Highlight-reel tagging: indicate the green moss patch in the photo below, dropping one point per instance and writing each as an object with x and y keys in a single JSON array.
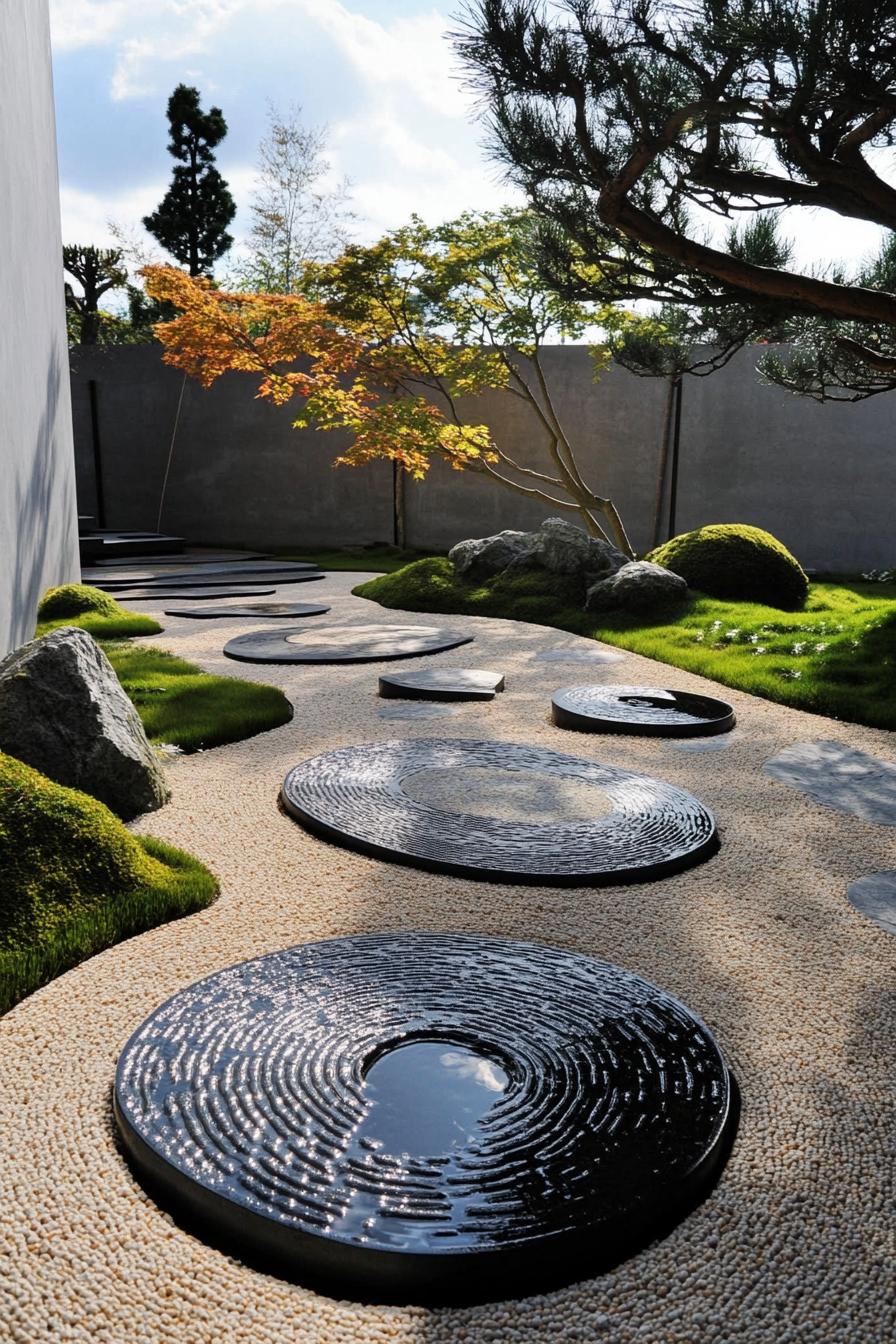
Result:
[
  {"x": 180, "y": 704},
  {"x": 738, "y": 563},
  {"x": 91, "y": 610},
  {"x": 75, "y": 880},
  {"x": 836, "y": 657}
]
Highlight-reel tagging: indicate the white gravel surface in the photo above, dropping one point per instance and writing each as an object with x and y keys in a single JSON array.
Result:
[{"x": 795, "y": 1245}]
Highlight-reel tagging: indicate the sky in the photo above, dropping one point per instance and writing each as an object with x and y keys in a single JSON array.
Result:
[{"x": 379, "y": 74}]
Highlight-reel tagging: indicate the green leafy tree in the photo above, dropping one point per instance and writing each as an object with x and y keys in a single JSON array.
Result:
[
  {"x": 96, "y": 270},
  {"x": 296, "y": 216},
  {"x": 191, "y": 221},
  {"x": 627, "y": 120}
]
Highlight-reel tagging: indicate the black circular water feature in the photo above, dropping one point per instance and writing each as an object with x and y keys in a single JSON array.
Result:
[
  {"x": 417, "y": 1117},
  {"x": 645, "y": 710}
]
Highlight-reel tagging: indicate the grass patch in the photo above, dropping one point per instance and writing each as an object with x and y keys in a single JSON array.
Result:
[
  {"x": 835, "y": 657},
  {"x": 384, "y": 559},
  {"x": 75, "y": 880},
  {"x": 180, "y": 704}
]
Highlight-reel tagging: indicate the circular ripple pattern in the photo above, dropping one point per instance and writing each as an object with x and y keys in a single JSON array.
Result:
[
  {"x": 354, "y": 796},
  {"x": 252, "y": 611},
  {"x": 644, "y": 710},
  {"x": 342, "y": 644},
  {"x": 245, "y": 1100}
]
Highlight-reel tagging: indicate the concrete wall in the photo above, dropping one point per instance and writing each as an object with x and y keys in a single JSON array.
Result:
[
  {"x": 822, "y": 478},
  {"x": 38, "y": 517}
]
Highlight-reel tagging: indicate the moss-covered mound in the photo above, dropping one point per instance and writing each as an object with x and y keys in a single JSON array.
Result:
[
  {"x": 75, "y": 880},
  {"x": 737, "y": 563},
  {"x": 535, "y": 595},
  {"x": 91, "y": 610}
]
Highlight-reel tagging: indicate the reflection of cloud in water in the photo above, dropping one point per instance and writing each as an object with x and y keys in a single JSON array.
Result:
[{"x": 481, "y": 1071}]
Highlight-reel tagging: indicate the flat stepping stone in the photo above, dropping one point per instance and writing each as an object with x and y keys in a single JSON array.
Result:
[
  {"x": 578, "y": 656},
  {"x": 426, "y": 1117},
  {"x": 210, "y": 580},
  {"x": 186, "y": 558},
  {"x": 442, "y": 683},
  {"x": 839, "y": 777},
  {"x": 193, "y": 594},
  {"x": 251, "y": 611},
  {"x": 500, "y": 811},
  {"x": 644, "y": 710},
  {"x": 343, "y": 644},
  {"x": 875, "y": 896}
]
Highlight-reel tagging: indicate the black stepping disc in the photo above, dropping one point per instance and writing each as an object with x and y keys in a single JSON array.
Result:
[
  {"x": 420, "y": 1116},
  {"x": 185, "y": 558},
  {"x": 442, "y": 683},
  {"x": 193, "y": 594},
  {"x": 200, "y": 579},
  {"x": 358, "y": 797},
  {"x": 342, "y": 644},
  {"x": 645, "y": 710},
  {"x": 252, "y": 611}
]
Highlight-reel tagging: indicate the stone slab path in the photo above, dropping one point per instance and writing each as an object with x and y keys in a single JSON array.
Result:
[{"x": 795, "y": 1245}]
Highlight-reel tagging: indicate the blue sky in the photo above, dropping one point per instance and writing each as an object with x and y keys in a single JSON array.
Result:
[{"x": 378, "y": 73}]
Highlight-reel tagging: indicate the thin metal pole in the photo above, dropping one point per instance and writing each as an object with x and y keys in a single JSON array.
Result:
[
  {"x": 676, "y": 445},
  {"x": 170, "y": 454},
  {"x": 97, "y": 455}
]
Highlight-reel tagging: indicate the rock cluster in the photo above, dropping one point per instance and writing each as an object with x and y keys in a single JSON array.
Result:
[
  {"x": 63, "y": 712},
  {"x": 610, "y": 578}
]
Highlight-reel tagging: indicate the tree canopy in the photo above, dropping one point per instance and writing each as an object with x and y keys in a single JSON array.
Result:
[
  {"x": 97, "y": 270},
  {"x": 387, "y": 341},
  {"x": 192, "y": 218},
  {"x": 631, "y": 122}
]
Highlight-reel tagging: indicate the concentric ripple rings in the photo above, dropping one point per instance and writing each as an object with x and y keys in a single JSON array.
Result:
[
  {"x": 645, "y": 710},
  {"x": 359, "y": 797},
  {"x": 412, "y": 1116}
]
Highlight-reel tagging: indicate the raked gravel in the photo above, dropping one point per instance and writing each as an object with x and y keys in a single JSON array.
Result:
[{"x": 795, "y": 1245}]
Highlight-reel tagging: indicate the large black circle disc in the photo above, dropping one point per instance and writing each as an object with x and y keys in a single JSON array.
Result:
[
  {"x": 645, "y": 710},
  {"x": 412, "y": 801},
  {"x": 410, "y": 1116},
  {"x": 342, "y": 644}
]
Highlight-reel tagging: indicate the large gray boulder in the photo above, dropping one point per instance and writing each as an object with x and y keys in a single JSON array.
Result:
[
  {"x": 482, "y": 557},
  {"x": 637, "y": 586},
  {"x": 63, "y": 711},
  {"x": 558, "y": 546}
]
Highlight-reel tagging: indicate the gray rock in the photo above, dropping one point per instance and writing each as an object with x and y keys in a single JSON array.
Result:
[
  {"x": 63, "y": 711},
  {"x": 637, "y": 586},
  {"x": 564, "y": 548},
  {"x": 484, "y": 556}
]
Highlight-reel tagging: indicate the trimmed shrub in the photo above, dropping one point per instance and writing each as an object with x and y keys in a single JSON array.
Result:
[
  {"x": 736, "y": 562},
  {"x": 75, "y": 880}
]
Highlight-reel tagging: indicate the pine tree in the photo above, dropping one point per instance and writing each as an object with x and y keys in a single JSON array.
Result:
[
  {"x": 97, "y": 270},
  {"x": 191, "y": 221}
]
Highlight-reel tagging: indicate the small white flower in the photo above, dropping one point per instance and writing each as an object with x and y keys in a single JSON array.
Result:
[
  {"x": 820, "y": 648},
  {"x": 716, "y": 625},
  {"x": 759, "y": 649},
  {"x": 754, "y": 639},
  {"x": 731, "y": 634},
  {"x": 798, "y": 648}
]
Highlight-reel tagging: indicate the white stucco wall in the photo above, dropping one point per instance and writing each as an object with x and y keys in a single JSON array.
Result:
[{"x": 38, "y": 513}]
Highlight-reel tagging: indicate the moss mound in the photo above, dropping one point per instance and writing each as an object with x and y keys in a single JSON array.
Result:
[
  {"x": 523, "y": 595},
  {"x": 737, "y": 563},
  {"x": 75, "y": 880},
  {"x": 74, "y": 599},
  {"x": 91, "y": 610}
]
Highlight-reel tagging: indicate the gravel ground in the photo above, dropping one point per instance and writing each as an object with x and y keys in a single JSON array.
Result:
[{"x": 795, "y": 1245}]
